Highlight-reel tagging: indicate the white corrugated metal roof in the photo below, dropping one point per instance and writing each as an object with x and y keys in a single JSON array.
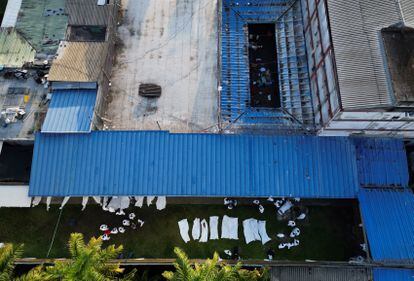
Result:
[
  {"x": 407, "y": 7},
  {"x": 11, "y": 13},
  {"x": 355, "y": 29}
]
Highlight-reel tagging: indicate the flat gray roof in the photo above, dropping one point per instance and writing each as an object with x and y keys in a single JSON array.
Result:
[{"x": 172, "y": 44}]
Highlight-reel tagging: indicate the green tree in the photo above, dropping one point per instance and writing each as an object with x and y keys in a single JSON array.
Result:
[
  {"x": 88, "y": 262},
  {"x": 8, "y": 255},
  {"x": 211, "y": 270}
]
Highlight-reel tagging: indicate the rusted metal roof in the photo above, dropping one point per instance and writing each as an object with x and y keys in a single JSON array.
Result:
[
  {"x": 88, "y": 12},
  {"x": 79, "y": 61}
]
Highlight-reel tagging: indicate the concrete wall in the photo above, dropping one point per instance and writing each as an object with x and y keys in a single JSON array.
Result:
[
  {"x": 102, "y": 99},
  {"x": 398, "y": 123}
]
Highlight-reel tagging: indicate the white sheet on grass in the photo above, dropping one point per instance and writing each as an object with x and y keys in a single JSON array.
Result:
[
  {"x": 84, "y": 202},
  {"x": 161, "y": 202},
  {"x": 214, "y": 228},
  {"x": 251, "y": 230},
  {"x": 139, "y": 201},
  {"x": 65, "y": 200},
  {"x": 149, "y": 200},
  {"x": 105, "y": 203},
  {"x": 183, "y": 225},
  {"x": 97, "y": 199},
  {"x": 125, "y": 201},
  {"x": 115, "y": 203},
  {"x": 196, "y": 232},
  {"x": 48, "y": 200},
  {"x": 230, "y": 228},
  {"x": 36, "y": 200},
  {"x": 263, "y": 233},
  {"x": 204, "y": 231}
]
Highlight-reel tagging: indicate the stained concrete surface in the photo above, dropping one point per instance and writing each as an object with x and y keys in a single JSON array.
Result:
[
  {"x": 35, "y": 110},
  {"x": 171, "y": 43}
]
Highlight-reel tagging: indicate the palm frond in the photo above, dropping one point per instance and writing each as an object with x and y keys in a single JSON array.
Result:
[
  {"x": 76, "y": 244},
  {"x": 8, "y": 255}
]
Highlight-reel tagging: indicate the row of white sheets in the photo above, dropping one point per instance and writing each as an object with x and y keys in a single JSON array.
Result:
[
  {"x": 202, "y": 230},
  {"x": 160, "y": 204},
  {"x": 255, "y": 230}
]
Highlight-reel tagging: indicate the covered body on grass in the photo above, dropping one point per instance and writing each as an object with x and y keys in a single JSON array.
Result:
[{"x": 327, "y": 234}]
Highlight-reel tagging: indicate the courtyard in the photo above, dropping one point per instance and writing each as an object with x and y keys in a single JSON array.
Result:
[{"x": 330, "y": 231}]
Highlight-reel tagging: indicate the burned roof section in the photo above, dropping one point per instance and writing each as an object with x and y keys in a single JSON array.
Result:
[
  {"x": 399, "y": 48},
  {"x": 88, "y": 12},
  {"x": 43, "y": 24}
]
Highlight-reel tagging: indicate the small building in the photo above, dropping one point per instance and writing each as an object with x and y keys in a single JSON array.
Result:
[{"x": 360, "y": 62}]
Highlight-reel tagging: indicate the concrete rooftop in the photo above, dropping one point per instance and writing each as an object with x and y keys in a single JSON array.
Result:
[
  {"x": 32, "y": 105},
  {"x": 172, "y": 43}
]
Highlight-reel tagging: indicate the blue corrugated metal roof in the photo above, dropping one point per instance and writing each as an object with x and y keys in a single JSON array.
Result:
[
  {"x": 159, "y": 163},
  {"x": 70, "y": 111},
  {"x": 389, "y": 224},
  {"x": 382, "y": 274},
  {"x": 382, "y": 162}
]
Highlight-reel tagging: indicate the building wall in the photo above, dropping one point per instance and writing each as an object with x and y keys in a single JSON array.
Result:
[
  {"x": 102, "y": 99},
  {"x": 351, "y": 84},
  {"x": 322, "y": 69},
  {"x": 398, "y": 123}
]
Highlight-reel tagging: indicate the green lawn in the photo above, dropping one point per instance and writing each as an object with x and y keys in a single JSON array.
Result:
[{"x": 329, "y": 234}]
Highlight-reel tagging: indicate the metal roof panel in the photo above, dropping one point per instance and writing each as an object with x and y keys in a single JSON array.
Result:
[
  {"x": 160, "y": 163},
  {"x": 79, "y": 61},
  {"x": 382, "y": 162},
  {"x": 70, "y": 111},
  {"x": 389, "y": 224},
  {"x": 383, "y": 274}
]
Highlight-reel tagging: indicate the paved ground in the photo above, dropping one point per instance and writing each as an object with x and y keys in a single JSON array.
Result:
[
  {"x": 21, "y": 128},
  {"x": 172, "y": 43}
]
